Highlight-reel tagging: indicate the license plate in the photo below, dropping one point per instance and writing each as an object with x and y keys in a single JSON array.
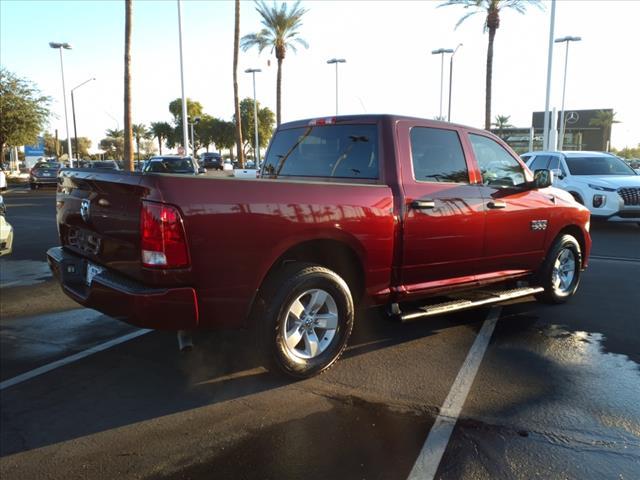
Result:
[
  {"x": 46, "y": 174},
  {"x": 92, "y": 271}
]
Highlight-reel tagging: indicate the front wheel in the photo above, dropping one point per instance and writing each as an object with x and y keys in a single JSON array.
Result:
[
  {"x": 309, "y": 318},
  {"x": 560, "y": 272}
]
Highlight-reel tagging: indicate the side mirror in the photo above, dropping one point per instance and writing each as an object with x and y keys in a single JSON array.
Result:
[{"x": 542, "y": 178}]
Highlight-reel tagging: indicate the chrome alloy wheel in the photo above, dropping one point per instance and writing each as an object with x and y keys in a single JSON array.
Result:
[
  {"x": 564, "y": 271},
  {"x": 310, "y": 324}
]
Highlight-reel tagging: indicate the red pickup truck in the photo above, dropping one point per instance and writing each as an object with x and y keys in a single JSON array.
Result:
[{"x": 348, "y": 212}]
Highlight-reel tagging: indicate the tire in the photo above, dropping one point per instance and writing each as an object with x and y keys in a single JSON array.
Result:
[
  {"x": 33, "y": 186},
  {"x": 291, "y": 332},
  {"x": 560, "y": 272}
]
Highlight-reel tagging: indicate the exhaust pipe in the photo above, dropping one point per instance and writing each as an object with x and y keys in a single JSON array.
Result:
[{"x": 185, "y": 341}]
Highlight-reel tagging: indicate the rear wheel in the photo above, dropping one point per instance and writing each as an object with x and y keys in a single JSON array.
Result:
[
  {"x": 308, "y": 320},
  {"x": 560, "y": 272}
]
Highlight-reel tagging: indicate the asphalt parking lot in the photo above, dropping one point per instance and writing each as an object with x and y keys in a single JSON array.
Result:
[{"x": 555, "y": 394}]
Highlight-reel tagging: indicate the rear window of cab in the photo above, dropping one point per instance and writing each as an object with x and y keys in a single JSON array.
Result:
[{"x": 327, "y": 151}]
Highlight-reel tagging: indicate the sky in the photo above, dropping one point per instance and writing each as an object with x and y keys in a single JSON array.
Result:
[{"x": 387, "y": 46}]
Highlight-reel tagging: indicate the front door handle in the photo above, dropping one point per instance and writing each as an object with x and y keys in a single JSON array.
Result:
[
  {"x": 423, "y": 204},
  {"x": 497, "y": 204}
]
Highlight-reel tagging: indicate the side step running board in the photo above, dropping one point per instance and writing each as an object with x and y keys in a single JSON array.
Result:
[{"x": 485, "y": 298}]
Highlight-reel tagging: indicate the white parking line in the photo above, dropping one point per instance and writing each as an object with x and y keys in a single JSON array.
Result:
[
  {"x": 434, "y": 447},
  {"x": 71, "y": 358}
]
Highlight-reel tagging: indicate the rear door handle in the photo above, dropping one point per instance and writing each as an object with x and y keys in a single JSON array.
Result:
[
  {"x": 423, "y": 204},
  {"x": 497, "y": 204}
]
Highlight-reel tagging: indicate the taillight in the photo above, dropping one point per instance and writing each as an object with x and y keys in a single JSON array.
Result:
[{"x": 163, "y": 242}]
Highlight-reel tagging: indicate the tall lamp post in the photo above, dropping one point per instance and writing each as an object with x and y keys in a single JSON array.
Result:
[
  {"x": 185, "y": 138},
  {"x": 566, "y": 40},
  {"x": 66, "y": 46},
  {"x": 73, "y": 112},
  {"x": 253, "y": 71},
  {"x": 441, "y": 52},
  {"x": 336, "y": 61},
  {"x": 451, "y": 80}
]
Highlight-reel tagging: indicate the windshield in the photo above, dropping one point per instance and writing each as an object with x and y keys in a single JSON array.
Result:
[
  {"x": 47, "y": 165},
  {"x": 169, "y": 165},
  {"x": 104, "y": 165},
  {"x": 608, "y": 165}
]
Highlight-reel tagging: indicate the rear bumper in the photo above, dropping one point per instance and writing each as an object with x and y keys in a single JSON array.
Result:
[
  {"x": 43, "y": 180},
  {"x": 122, "y": 298}
]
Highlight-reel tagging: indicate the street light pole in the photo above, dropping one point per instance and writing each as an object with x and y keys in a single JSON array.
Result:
[
  {"x": 545, "y": 133},
  {"x": 451, "y": 80},
  {"x": 73, "y": 111},
  {"x": 185, "y": 138},
  {"x": 441, "y": 52},
  {"x": 336, "y": 61},
  {"x": 253, "y": 71},
  {"x": 66, "y": 46},
  {"x": 566, "y": 40}
]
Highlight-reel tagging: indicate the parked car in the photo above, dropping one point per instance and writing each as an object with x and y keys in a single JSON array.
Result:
[
  {"x": 211, "y": 160},
  {"x": 227, "y": 166},
  {"x": 3, "y": 179},
  {"x": 105, "y": 164},
  {"x": 602, "y": 182},
  {"x": 6, "y": 231},
  {"x": 173, "y": 164},
  {"x": 44, "y": 173},
  {"x": 349, "y": 212}
]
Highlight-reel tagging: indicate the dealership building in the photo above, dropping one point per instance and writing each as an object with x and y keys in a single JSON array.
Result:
[{"x": 579, "y": 133}]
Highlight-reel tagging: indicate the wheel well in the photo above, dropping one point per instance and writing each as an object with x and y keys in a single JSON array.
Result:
[
  {"x": 578, "y": 197},
  {"x": 332, "y": 254},
  {"x": 577, "y": 233}
]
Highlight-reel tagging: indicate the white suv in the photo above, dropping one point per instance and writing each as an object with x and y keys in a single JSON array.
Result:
[{"x": 602, "y": 182}]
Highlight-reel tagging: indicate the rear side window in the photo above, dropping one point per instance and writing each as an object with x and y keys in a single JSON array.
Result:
[
  {"x": 437, "y": 156},
  {"x": 498, "y": 168},
  {"x": 338, "y": 151}
]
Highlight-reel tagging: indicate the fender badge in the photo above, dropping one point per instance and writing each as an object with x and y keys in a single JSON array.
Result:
[{"x": 538, "y": 225}]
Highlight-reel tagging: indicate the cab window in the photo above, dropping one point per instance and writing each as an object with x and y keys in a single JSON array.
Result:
[
  {"x": 437, "y": 156},
  {"x": 498, "y": 167}
]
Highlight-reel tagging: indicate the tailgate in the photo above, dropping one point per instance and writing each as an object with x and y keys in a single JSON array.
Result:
[{"x": 98, "y": 215}]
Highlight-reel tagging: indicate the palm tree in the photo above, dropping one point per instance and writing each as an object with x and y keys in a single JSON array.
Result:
[
  {"x": 128, "y": 140},
  {"x": 502, "y": 122},
  {"x": 140, "y": 133},
  {"x": 604, "y": 119},
  {"x": 161, "y": 131},
  {"x": 280, "y": 32},
  {"x": 114, "y": 133},
  {"x": 492, "y": 9},
  {"x": 236, "y": 102}
]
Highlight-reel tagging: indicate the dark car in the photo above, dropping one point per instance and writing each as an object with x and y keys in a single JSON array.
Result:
[
  {"x": 211, "y": 160},
  {"x": 44, "y": 173},
  {"x": 172, "y": 164},
  {"x": 105, "y": 164}
]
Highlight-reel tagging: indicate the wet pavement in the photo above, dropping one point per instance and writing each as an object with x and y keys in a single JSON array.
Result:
[{"x": 556, "y": 394}]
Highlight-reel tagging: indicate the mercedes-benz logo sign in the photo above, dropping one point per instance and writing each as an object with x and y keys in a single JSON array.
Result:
[
  {"x": 572, "y": 117},
  {"x": 85, "y": 211}
]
